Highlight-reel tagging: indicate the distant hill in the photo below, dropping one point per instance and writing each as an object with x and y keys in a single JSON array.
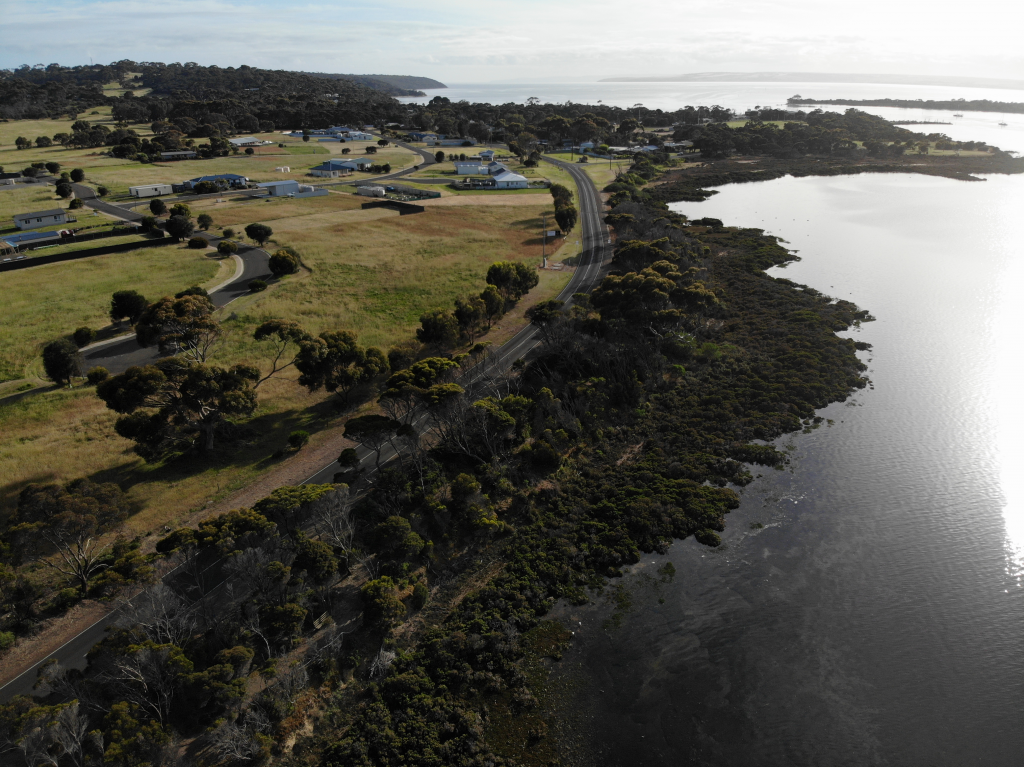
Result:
[
  {"x": 393, "y": 85},
  {"x": 823, "y": 77}
]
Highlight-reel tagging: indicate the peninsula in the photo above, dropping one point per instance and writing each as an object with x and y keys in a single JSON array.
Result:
[{"x": 822, "y": 77}]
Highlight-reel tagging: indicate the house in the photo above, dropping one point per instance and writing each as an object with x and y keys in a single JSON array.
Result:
[
  {"x": 494, "y": 168},
  {"x": 358, "y": 163},
  {"x": 422, "y": 135},
  {"x": 244, "y": 141},
  {"x": 457, "y": 142},
  {"x": 40, "y": 218},
  {"x": 470, "y": 169},
  {"x": 232, "y": 180},
  {"x": 584, "y": 145},
  {"x": 371, "y": 191},
  {"x": 329, "y": 170},
  {"x": 150, "y": 190},
  {"x": 510, "y": 180},
  {"x": 337, "y": 168},
  {"x": 279, "y": 188},
  {"x": 183, "y": 155},
  {"x": 359, "y": 136},
  {"x": 487, "y": 155}
]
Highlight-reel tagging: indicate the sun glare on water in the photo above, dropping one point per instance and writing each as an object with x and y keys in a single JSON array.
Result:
[{"x": 1009, "y": 385}]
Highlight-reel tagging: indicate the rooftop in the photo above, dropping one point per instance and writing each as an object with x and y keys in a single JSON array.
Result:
[
  {"x": 41, "y": 213},
  {"x": 225, "y": 176},
  {"x": 509, "y": 176}
]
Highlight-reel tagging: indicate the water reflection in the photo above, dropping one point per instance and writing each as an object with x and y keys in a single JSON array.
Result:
[
  {"x": 872, "y": 620},
  {"x": 1009, "y": 375}
]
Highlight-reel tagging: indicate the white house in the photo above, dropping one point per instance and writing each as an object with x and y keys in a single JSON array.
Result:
[
  {"x": 494, "y": 168},
  {"x": 487, "y": 155},
  {"x": 245, "y": 141},
  {"x": 510, "y": 180},
  {"x": 182, "y": 155},
  {"x": 40, "y": 218},
  {"x": 359, "y": 136},
  {"x": 470, "y": 169}
]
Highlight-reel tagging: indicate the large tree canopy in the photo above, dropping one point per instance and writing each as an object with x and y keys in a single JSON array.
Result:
[{"x": 175, "y": 405}]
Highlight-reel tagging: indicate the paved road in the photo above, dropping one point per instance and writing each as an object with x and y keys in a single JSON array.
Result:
[
  {"x": 596, "y": 252},
  {"x": 88, "y": 196},
  {"x": 118, "y": 356}
]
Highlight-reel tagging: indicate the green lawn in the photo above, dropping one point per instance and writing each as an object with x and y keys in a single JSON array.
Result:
[
  {"x": 25, "y": 199},
  {"x": 87, "y": 245},
  {"x": 372, "y": 272},
  {"x": 45, "y": 302}
]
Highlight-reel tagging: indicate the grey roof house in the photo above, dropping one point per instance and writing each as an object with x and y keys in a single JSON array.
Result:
[{"x": 40, "y": 218}]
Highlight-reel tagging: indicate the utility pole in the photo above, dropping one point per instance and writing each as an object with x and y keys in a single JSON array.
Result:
[{"x": 544, "y": 242}]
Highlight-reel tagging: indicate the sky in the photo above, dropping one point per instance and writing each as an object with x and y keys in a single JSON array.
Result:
[{"x": 483, "y": 41}]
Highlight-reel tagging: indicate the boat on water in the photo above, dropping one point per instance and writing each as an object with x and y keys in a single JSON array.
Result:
[
  {"x": 1003, "y": 124},
  {"x": 957, "y": 114}
]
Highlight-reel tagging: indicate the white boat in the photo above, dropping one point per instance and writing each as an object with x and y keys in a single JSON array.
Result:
[
  {"x": 1003, "y": 124},
  {"x": 957, "y": 115}
]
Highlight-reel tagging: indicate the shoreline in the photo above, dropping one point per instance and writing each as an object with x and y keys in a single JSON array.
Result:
[{"x": 695, "y": 184}]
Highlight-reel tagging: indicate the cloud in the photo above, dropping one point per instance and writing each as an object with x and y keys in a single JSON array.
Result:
[{"x": 504, "y": 40}]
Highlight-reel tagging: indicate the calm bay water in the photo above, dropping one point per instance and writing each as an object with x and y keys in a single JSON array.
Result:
[
  {"x": 973, "y": 126},
  {"x": 878, "y": 616}
]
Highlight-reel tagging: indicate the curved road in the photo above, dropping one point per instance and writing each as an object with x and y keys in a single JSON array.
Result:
[
  {"x": 596, "y": 252},
  {"x": 119, "y": 354}
]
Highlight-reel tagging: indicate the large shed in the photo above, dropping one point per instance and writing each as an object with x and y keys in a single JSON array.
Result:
[{"x": 280, "y": 188}]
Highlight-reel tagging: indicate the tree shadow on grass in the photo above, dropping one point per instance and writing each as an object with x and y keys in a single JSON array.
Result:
[
  {"x": 9, "y": 493},
  {"x": 259, "y": 444}
]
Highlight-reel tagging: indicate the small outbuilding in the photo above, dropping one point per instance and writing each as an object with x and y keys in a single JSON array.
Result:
[
  {"x": 40, "y": 218},
  {"x": 185, "y": 154},
  {"x": 470, "y": 169},
  {"x": 371, "y": 191}
]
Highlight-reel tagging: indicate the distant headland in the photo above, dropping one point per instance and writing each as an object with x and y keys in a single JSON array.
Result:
[{"x": 823, "y": 77}]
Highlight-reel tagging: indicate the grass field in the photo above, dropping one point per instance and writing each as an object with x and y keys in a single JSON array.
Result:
[
  {"x": 48, "y": 301},
  {"x": 373, "y": 276},
  {"x": 118, "y": 175},
  {"x": 71, "y": 247},
  {"x": 372, "y": 272},
  {"x": 268, "y": 210},
  {"x": 25, "y": 199}
]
